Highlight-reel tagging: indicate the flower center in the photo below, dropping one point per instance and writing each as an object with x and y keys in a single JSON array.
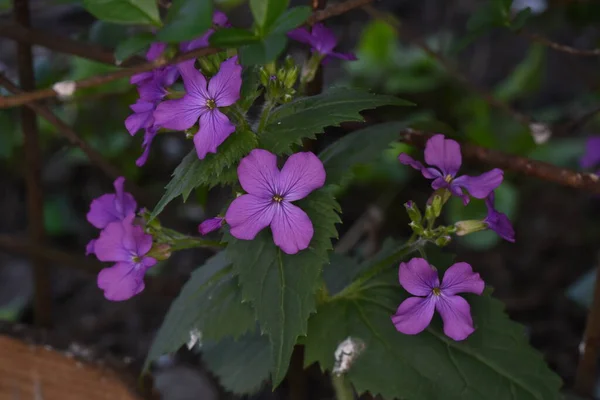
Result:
[
  {"x": 211, "y": 104},
  {"x": 136, "y": 259},
  {"x": 277, "y": 198},
  {"x": 448, "y": 178},
  {"x": 437, "y": 291}
]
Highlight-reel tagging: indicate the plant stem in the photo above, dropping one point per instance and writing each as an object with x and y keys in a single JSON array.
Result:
[
  {"x": 343, "y": 390},
  {"x": 264, "y": 117}
]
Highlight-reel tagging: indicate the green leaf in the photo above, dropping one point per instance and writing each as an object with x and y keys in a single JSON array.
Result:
[
  {"x": 232, "y": 37},
  {"x": 215, "y": 169},
  {"x": 292, "y": 18},
  {"x": 186, "y": 20},
  {"x": 495, "y": 362},
  {"x": 520, "y": 19},
  {"x": 264, "y": 51},
  {"x": 241, "y": 365},
  {"x": 124, "y": 11},
  {"x": 265, "y": 12},
  {"x": 525, "y": 78},
  {"x": 307, "y": 116},
  {"x": 359, "y": 147},
  {"x": 132, "y": 46},
  {"x": 281, "y": 286},
  {"x": 209, "y": 302}
]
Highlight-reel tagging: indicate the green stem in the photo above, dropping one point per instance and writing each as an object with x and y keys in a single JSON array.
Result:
[
  {"x": 343, "y": 390},
  {"x": 413, "y": 244},
  {"x": 264, "y": 117},
  {"x": 194, "y": 242}
]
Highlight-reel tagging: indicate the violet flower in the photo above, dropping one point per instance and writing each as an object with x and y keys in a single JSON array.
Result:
[
  {"x": 128, "y": 246},
  {"x": 445, "y": 158},
  {"x": 111, "y": 207},
  {"x": 219, "y": 20},
  {"x": 210, "y": 225},
  {"x": 591, "y": 157},
  {"x": 419, "y": 278},
  {"x": 166, "y": 75},
  {"x": 270, "y": 193},
  {"x": 322, "y": 40},
  {"x": 202, "y": 101},
  {"x": 497, "y": 221}
]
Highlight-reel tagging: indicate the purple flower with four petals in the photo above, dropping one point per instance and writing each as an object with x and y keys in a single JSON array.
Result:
[
  {"x": 497, "y": 221},
  {"x": 270, "y": 193},
  {"x": 127, "y": 245},
  {"x": 210, "y": 225},
  {"x": 111, "y": 207},
  {"x": 445, "y": 159},
  {"x": 322, "y": 40},
  {"x": 202, "y": 101},
  {"x": 419, "y": 278}
]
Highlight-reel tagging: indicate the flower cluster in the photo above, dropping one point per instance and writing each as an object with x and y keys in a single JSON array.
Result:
[
  {"x": 443, "y": 158},
  {"x": 121, "y": 241}
]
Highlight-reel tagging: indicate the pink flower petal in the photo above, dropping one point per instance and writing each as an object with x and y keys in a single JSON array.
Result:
[
  {"x": 444, "y": 154},
  {"x": 417, "y": 277},
  {"x": 481, "y": 186},
  {"x": 258, "y": 173},
  {"x": 414, "y": 315},
  {"x": 215, "y": 127},
  {"x": 460, "y": 278},
  {"x": 301, "y": 174},
  {"x": 121, "y": 281},
  {"x": 225, "y": 86},
  {"x": 292, "y": 229},
  {"x": 193, "y": 81},
  {"x": 248, "y": 214},
  {"x": 179, "y": 114},
  {"x": 456, "y": 314}
]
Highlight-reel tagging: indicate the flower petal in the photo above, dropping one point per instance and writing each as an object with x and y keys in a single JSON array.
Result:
[
  {"x": 418, "y": 277},
  {"x": 149, "y": 136},
  {"x": 141, "y": 77},
  {"x": 428, "y": 173},
  {"x": 414, "y": 315},
  {"x": 122, "y": 281},
  {"x": 135, "y": 122},
  {"x": 324, "y": 40},
  {"x": 258, "y": 173},
  {"x": 481, "y": 186},
  {"x": 124, "y": 204},
  {"x": 498, "y": 222},
  {"x": 209, "y": 225},
  {"x": 301, "y": 35},
  {"x": 225, "y": 86},
  {"x": 215, "y": 127},
  {"x": 301, "y": 174},
  {"x": 248, "y": 214},
  {"x": 110, "y": 245},
  {"x": 344, "y": 56},
  {"x": 197, "y": 43},
  {"x": 591, "y": 157},
  {"x": 152, "y": 91},
  {"x": 444, "y": 154},
  {"x": 292, "y": 229},
  {"x": 89, "y": 248},
  {"x": 460, "y": 278},
  {"x": 179, "y": 114},
  {"x": 456, "y": 314},
  {"x": 111, "y": 207},
  {"x": 193, "y": 81},
  {"x": 155, "y": 50}
]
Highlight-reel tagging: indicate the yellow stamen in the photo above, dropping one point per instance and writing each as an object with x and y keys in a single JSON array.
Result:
[
  {"x": 437, "y": 291},
  {"x": 277, "y": 198}
]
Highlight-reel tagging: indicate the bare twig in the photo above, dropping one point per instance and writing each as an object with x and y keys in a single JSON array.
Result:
[
  {"x": 35, "y": 201},
  {"x": 65, "y": 130},
  {"x": 13, "y": 101},
  {"x": 585, "y": 378},
  {"x": 559, "y": 47}
]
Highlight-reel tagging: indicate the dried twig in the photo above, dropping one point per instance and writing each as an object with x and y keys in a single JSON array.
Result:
[{"x": 559, "y": 47}]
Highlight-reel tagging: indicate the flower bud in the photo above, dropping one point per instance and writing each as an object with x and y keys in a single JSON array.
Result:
[
  {"x": 436, "y": 205},
  {"x": 443, "y": 240},
  {"x": 160, "y": 251},
  {"x": 469, "y": 226},
  {"x": 413, "y": 211},
  {"x": 417, "y": 228}
]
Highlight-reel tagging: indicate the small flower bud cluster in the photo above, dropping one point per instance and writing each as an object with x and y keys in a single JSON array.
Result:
[{"x": 279, "y": 83}]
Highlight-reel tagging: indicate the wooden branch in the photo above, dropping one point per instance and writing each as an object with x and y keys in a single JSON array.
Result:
[{"x": 559, "y": 47}]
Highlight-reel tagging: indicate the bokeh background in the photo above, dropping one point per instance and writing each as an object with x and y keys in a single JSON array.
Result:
[{"x": 545, "y": 278}]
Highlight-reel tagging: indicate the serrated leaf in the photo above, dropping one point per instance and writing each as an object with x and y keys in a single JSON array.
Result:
[
  {"x": 241, "y": 365},
  {"x": 186, "y": 20},
  {"x": 495, "y": 362},
  {"x": 215, "y": 169},
  {"x": 133, "y": 45},
  {"x": 124, "y": 11},
  {"x": 280, "y": 286},
  {"x": 308, "y": 116},
  {"x": 360, "y": 147},
  {"x": 232, "y": 37},
  {"x": 210, "y": 302},
  {"x": 263, "y": 51},
  {"x": 265, "y": 12},
  {"x": 292, "y": 18}
]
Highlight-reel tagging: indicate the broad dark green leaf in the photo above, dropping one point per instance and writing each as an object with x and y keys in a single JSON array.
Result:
[
  {"x": 280, "y": 286},
  {"x": 242, "y": 365},
  {"x": 215, "y": 169},
  {"x": 132, "y": 46},
  {"x": 124, "y": 11},
  {"x": 211, "y": 303},
  {"x": 495, "y": 362},
  {"x": 265, "y": 12},
  {"x": 360, "y": 147},
  {"x": 292, "y": 18},
  {"x": 232, "y": 37},
  {"x": 186, "y": 20},
  {"x": 264, "y": 51},
  {"x": 307, "y": 116}
]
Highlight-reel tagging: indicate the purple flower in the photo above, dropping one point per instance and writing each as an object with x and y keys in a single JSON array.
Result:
[
  {"x": 89, "y": 248},
  {"x": 149, "y": 136},
  {"x": 419, "y": 278},
  {"x": 591, "y": 157},
  {"x": 142, "y": 117},
  {"x": 497, "y": 221},
  {"x": 166, "y": 75},
  {"x": 111, "y": 207},
  {"x": 210, "y": 225},
  {"x": 445, "y": 158},
  {"x": 270, "y": 193},
  {"x": 322, "y": 40},
  {"x": 202, "y": 101},
  {"x": 127, "y": 245},
  {"x": 219, "y": 20}
]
